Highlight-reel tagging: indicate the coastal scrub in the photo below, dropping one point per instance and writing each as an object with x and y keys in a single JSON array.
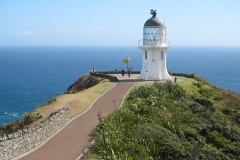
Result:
[{"x": 166, "y": 121}]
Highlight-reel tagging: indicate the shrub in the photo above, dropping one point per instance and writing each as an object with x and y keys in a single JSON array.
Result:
[
  {"x": 27, "y": 118},
  {"x": 197, "y": 108},
  {"x": 236, "y": 115},
  {"x": 191, "y": 134},
  {"x": 202, "y": 81},
  {"x": 214, "y": 139},
  {"x": 73, "y": 91},
  {"x": 226, "y": 111},
  {"x": 185, "y": 103},
  {"x": 192, "y": 75},
  {"x": 176, "y": 90},
  {"x": 196, "y": 84},
  {"x": 153, "y": 131},
  {"x": 205, "y": 92},
  {"x": 2, "y": 132},
  {"x": 160, "y": 122},
  {"x": 202, "y": 128},
  {"x": 205, "y": 102},
  {"x": 233, "y": 149},
  {"x": 216, "y": 154},
  {"x": 168, "y": 145}
]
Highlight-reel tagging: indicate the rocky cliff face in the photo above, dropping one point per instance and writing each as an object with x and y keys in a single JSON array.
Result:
[{"x": 84, "y": 82}]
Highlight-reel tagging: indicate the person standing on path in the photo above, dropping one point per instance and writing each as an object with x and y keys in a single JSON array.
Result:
[
  {"x": 123, "y": 72},
  {"x": 175, "y": 79},
  {"x": 129, "y": 72}
]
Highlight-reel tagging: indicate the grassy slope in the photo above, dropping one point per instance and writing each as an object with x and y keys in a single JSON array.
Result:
[
  {"x": 203, "y": 125},
  {"x": 222, "y": 98},
  {"x": 76, "y": 103}
]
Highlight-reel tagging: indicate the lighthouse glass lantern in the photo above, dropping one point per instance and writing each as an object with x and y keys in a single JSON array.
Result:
[{"x": 154, "y": 49}]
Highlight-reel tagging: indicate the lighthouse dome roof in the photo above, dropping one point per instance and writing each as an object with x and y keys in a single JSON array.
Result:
[{"x": 153, "y": 21}]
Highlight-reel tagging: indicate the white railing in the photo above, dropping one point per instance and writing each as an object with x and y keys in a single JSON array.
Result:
[{"x": 153, "y": 42}]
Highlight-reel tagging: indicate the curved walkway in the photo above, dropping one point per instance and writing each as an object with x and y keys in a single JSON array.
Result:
[{"x": 72, "y": 140}]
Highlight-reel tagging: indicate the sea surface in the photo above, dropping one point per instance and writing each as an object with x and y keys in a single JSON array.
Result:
[{"x": 30, "y": 76}]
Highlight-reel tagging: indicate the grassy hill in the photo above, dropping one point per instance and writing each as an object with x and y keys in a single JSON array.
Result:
[{"x": 191, "y": 119}]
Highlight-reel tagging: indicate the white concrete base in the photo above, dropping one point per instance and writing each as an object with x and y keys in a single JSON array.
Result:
[{"x": 154, "y": 63}]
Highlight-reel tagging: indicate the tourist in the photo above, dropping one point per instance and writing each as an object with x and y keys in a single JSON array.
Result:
[
  {"x": 175, "y": 79},
  {"x": 123, "y": 72},
  {"x": 129, "y": 72},
  {"x": 93, "y": 70}
]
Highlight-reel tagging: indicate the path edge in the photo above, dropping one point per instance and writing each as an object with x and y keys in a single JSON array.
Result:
[
  {"x": 36, "y": 148},
  {"x": 87, "y": 149}
]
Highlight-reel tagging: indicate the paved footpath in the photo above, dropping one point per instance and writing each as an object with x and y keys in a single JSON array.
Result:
[{"x": 70, "y": 142}]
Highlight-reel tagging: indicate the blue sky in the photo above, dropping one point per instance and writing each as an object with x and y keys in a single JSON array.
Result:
[{"x": 117, "y": 22}]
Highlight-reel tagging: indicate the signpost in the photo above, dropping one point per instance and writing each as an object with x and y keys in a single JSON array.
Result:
[{"x": 126, "y": 61}]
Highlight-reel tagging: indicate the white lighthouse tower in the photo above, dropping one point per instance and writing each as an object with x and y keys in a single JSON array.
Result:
[{"x": 154, "y": 49}]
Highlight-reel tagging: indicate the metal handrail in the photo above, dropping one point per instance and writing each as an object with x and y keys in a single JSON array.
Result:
[{"x": 153, "y": 42}]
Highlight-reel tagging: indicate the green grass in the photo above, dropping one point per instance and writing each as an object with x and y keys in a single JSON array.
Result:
[
  {"x": 171, "y": 121},
  {"x": 76, "y": 103},
  {"x": 186, "y": 83}
]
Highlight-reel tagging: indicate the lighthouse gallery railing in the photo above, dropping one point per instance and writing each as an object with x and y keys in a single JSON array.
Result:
[{"x": 153, "y": 42}]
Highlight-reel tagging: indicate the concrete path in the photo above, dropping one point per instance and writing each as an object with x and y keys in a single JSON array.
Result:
[{"x": 70, "y": 142}]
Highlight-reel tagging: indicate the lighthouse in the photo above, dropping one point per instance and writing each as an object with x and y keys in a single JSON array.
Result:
[{"x": 154, "y": 48}]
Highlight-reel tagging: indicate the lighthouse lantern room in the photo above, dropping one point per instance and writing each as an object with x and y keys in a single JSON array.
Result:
[{"x": 154, "y": 49}]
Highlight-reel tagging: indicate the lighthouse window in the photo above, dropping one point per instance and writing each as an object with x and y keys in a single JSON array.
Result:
[
  {"x": 145, "y": 54},
  {"x": 150, "y": 35},
  {"x": 161, "y": 54}
]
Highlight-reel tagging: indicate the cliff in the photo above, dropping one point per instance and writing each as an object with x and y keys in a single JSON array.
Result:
[{"x": 84, "y": 82}]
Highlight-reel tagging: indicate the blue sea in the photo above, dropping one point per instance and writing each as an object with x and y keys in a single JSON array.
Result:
[{"x": 30, "y": 76}]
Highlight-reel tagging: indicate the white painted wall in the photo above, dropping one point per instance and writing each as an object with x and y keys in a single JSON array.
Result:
[{"x": 154, "y": 67}]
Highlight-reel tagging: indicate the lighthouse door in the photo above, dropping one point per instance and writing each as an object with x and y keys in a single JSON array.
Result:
[
  {"x": 146, "y": 67},
  {"x": 153, "y": 52}
]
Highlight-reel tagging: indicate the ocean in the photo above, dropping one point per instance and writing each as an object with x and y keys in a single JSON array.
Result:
[{"x": 30, "y": 76}]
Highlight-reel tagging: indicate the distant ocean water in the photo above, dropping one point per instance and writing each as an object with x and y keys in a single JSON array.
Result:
[{"x": 30, "y": 76}]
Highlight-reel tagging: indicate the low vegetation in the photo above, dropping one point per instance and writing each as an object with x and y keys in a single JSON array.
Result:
[{"x": 191, "y": 119}]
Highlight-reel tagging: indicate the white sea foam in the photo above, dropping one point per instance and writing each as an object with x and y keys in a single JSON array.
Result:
[
  {"x": 14, "y": 114},
  {"x": 10, "y": 114}
]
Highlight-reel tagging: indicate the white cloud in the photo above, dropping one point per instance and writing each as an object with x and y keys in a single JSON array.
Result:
[
  {"x": 27, "y": 32},
  {"x": 62, "y": 29}
]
